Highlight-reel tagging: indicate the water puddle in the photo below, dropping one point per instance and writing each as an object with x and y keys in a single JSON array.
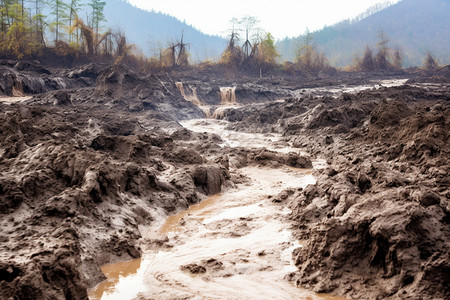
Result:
[{"x": 121, "y": 276}]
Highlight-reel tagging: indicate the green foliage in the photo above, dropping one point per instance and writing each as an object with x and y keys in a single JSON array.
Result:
[
  {"x": 267, "y": 53},
  {"x": 97, "y": 14},
  {"x": 260, "y": 54},
  {"x": 15, "y": 39},
  {"x": 60, "y": 12},
  {"x": 74, "y": 8},
  {"x": 23, "y": 30},
  {"x": 233, "y": 55}
]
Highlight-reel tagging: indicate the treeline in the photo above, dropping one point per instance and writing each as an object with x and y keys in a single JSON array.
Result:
[
  {"x": 249, "y": 48},
  {"x": 29, "y": 27},
  {"x": 38, "y": 28},
  {"x": 387, "y": 59},
  {"x": 415, "y": 26}
]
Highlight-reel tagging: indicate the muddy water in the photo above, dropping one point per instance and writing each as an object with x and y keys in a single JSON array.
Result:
[
  {"x": 235, "y": 245},
  {"x": 336, "y": 91},
  {"x": 231, "y": 138},
  {"x": 11, "y": 100}
]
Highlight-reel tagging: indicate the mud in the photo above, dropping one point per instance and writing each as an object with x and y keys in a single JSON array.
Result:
[
  {"x": 97, "y": 156},
  {"x": 82, "y": 169},
  {"x": 376, "y": 223}
]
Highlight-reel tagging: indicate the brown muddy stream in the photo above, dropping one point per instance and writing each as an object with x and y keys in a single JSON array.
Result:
[{"x": 235, "y": 245}]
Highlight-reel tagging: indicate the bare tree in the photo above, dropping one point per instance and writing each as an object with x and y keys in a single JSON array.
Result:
[
  {"x": 397, "y": 59},
  {"x": 430, "y": 63},
  {"x": 248, "y": 25},
  {"x": 381, "y": 60},
  {"x": 366, "y": 63},
  {"x": 183, "y": 56}
]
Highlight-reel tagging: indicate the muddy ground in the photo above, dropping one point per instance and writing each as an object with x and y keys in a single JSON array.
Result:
[
  {"x": 98, "y": 152},
  {"x": 376, "y": 224}
]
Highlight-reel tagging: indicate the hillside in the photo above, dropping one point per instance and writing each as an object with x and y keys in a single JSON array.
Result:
[
  {"x": 413, "y": 26},
  {"x": 153, "y": 30}
]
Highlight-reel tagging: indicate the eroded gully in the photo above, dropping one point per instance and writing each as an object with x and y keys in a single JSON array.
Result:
[{"x": 234, "y": 245}]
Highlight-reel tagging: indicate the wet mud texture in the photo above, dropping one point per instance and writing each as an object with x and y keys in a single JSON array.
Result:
[
  {"x": 376, "y": 223},
  {"x": 19, "y": 78},
  {"x": 88, "y": 160},
  {"x": 81, "y": 169}
]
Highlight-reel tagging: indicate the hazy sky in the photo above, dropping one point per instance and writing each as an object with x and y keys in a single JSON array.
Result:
[{"x": 280, "y": 17}]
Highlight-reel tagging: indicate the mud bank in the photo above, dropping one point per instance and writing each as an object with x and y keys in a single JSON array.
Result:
[
  {"x": 81, "y": 169},
  {"x": 20, "y": 78},
  {"x": 376, "y": 223}
]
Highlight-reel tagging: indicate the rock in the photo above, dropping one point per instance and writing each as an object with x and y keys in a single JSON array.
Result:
[
  {"x": 62, "y": 98},
  {"x": 428, "y": 198},
  {"x": 193, "y": 269},
  {"x": 209, "y": 179},
  {"x": 329, "y": 140},
  {"x": 88, "y": 71},
  {"x": 364, "y": 182}
]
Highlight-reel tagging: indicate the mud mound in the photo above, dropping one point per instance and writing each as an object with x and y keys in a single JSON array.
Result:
[
  {"x": 118, "y": 75},
  {"x": 389, "y": 113},
  {"x": 253, "y": 92},
  {"x": 262, "y": 117},
  {"x": 91, "y": 71},
  {"x": 376, "y": 223},
  {"x": 78, "y": 178},
  {"x": 81, "y": 169},
  {"x": 346, "y": 117},
  {"x": 31, "y": 67},
  {"x": 420, "y": 134},
  {"x": 209, "y": 179},
  {"x": 24, "y": 78},
  {"x": 441, "y": 75}
]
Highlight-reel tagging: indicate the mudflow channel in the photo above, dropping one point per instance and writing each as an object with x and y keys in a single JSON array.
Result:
[{"x": 235, "y": 245}]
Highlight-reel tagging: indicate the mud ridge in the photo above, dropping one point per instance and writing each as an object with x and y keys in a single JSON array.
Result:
[{"x": 376, "y": 223}]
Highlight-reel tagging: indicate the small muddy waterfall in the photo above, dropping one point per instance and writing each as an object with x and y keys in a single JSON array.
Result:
[
  {"x": 190, "y": 94},
  {"x": 192, "y": 97},
  {"x": 227, "y": 95},
  {"x": 227, "y": 99}
]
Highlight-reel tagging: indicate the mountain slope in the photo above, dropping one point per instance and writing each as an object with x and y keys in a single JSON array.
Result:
[
  {"x": 151, "y": 31},
  {"x": 413, "y": 26}
]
